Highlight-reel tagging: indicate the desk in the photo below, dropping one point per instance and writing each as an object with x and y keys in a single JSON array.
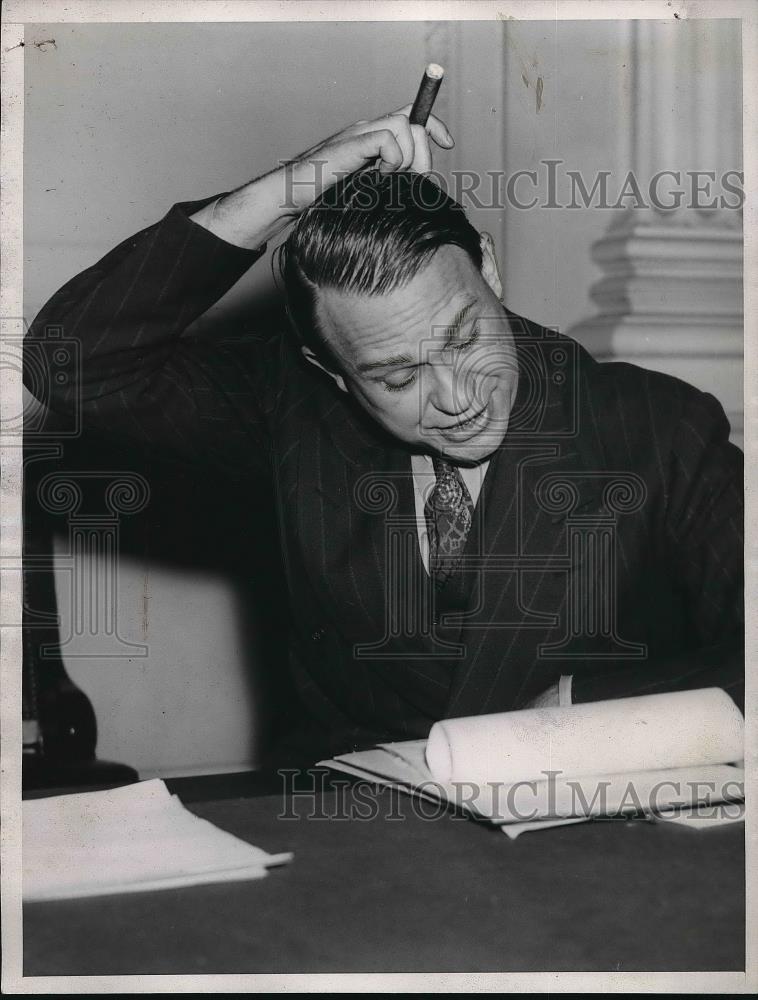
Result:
[{"x": 400, "y": 893}]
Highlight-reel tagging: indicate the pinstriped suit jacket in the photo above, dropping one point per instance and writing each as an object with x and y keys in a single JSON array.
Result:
[{"x": 607, "y": 540}]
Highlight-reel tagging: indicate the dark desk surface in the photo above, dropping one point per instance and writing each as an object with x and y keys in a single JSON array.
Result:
[{"x": 398, "y": 893}]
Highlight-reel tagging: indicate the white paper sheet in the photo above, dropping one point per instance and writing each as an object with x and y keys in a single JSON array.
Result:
[
  {"x": 700, "y": 817},
  {"x": 536, "y": 769},
  {"x": 130, "y": 839},
  {"x": 560, "y": 798}
]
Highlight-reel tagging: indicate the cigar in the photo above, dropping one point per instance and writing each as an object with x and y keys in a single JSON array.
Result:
[{"x": 427, "y": 92}]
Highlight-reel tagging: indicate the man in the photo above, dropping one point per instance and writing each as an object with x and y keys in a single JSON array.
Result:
[{"x": 474, "y": 516}]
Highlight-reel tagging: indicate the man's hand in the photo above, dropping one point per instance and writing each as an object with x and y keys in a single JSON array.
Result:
[
  {"x": 261, "y": 209},
  {"x": 390, "y": 143}
]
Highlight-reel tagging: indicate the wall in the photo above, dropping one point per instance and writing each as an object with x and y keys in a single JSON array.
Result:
[
  {"x": 548, "y": 266},
  {"x": 619, "y": 96}
]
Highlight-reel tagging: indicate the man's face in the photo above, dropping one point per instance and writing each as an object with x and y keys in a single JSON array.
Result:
[{"x": 433, "y": 362}]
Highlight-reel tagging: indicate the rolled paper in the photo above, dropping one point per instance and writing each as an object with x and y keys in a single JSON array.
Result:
[
  {"x": 675, "y": 729},
  {"x": 427, "y": 93}
]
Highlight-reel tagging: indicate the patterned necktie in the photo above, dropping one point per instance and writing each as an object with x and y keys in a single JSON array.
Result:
[{"x": 449, "y": 511}]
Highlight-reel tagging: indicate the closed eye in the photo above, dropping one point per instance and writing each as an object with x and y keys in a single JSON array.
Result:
[
  {"x": 469, "y": 343},
  {"x": 397, "y": 386},
  {"x": 408, "y": 380}
]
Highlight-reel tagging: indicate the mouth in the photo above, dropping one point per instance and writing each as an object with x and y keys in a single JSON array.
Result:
[{"x": 466, "y": 428}]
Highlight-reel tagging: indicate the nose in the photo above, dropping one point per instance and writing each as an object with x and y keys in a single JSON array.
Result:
[{"x": 451, "y": 392}]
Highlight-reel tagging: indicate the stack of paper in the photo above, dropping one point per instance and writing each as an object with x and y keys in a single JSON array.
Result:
[
  {"x": 130, "y": 839},
  {"x": 537, "y": 768}
]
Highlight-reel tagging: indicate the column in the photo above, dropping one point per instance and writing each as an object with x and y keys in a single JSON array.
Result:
[{"x": 670, "y": 297}]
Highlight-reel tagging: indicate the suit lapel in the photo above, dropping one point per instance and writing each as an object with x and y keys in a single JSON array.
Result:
[
  {"x": 519, "y": 580},
  {"x": 356, "y": 519},
  {"x": 341, "y": 537}
]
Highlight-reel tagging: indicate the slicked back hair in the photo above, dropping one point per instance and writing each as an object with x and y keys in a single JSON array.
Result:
[{"x": 368, "y": 234}]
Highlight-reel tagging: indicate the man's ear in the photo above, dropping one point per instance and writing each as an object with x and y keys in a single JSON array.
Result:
[
  {"x": 490, "y": 270},
  {"x": 310, "y": 356}
]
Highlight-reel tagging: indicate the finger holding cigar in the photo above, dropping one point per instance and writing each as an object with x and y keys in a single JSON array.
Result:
[{"x": 421, "y": 126}]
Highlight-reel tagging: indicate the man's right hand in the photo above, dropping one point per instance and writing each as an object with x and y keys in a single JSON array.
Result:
[
  {"x": 391, "y": 143},
  {"x": 260, "y": 210}
]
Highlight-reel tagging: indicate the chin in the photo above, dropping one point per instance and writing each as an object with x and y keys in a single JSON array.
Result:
[
  {"x": 475, "y": 450},
  {"x": 468, "y": 454}
]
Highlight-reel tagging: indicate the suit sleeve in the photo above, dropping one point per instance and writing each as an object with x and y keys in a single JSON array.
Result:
[
  {"x": 703, "y": 549},
  {"x": 133, "y": 375}
]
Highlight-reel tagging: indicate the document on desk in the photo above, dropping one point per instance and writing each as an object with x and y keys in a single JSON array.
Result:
[
  {"x": 650, "y": 756},
  {"x": 131, "y": 839}
]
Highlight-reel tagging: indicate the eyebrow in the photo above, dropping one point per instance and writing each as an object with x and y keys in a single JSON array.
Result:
[
  {"x": 403, "y": 359},
  {"x": 458, "y": 319}
]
